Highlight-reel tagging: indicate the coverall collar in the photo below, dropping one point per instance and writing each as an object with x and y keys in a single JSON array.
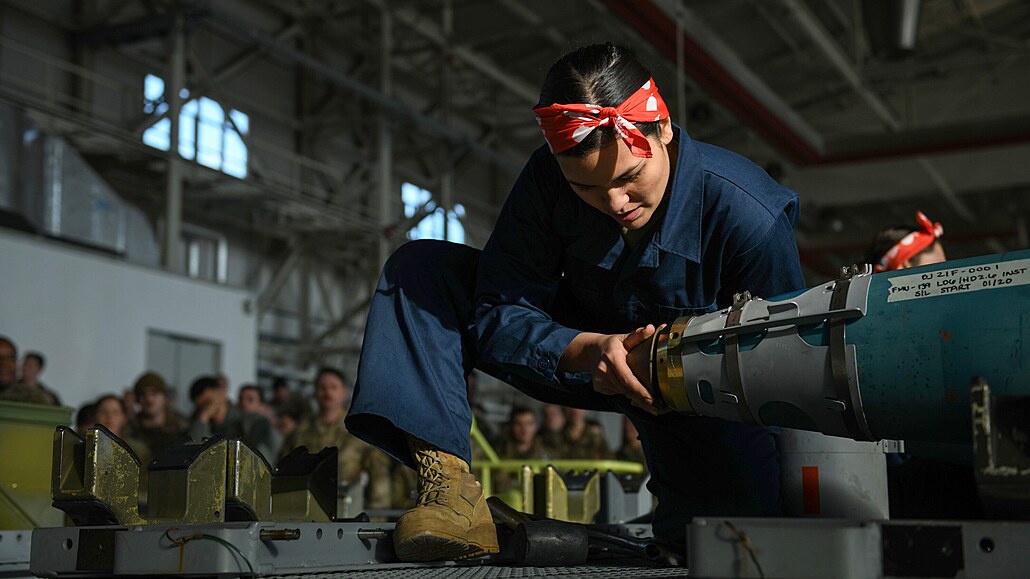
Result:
[{"x": 686, "y": 203}]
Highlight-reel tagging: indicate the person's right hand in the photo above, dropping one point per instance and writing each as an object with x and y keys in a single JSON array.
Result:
[
  {"x": 207, "y": 405},
  {"x": 605, "y": 357}
]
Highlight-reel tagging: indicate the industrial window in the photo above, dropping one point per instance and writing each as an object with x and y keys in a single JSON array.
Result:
[
  {"x": 209, "y": 133},
  {"x": 418, "y": 200}
]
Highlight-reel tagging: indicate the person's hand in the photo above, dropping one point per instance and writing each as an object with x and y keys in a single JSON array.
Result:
[
  {"x": 604, "y": 356},
  {"x": 207, "y": 405},
  {"x": 612, "y": 374}
]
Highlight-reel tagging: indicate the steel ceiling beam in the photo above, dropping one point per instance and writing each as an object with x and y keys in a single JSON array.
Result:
[
  {"x": 722, "y": 79},
  {"x": 720, "y": 73},
  {"x": 366, "y": 93}
]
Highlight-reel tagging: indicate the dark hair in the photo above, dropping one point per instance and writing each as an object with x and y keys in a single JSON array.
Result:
[
  {"x": 599, "y": 74},
  {"x": 330, "y": 370},
  {"x": 87, "y": 414},
  {"x": 519, "y": 410},
  {"x": 9, "y": 342},
  {"x": 39, "y": 358},
  {"x": 200, "y": 385},
  {"x": 280, "y": 382},
  {"x": 105, "y": 397},
  {"x": 260, "y": 392},
  {"x": 887, "y": 238}
]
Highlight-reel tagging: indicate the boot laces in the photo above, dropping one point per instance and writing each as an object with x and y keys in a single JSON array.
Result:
[{"x": 431, "y": 481}]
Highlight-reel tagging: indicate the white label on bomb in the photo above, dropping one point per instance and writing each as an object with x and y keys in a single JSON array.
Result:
[{"x": 972, "y": 278}]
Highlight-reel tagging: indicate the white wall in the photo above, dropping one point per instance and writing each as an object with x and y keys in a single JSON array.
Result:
[{"x": 89, "y": 314}]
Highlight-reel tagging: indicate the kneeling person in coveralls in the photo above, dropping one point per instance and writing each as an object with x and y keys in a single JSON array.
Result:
[{"x": 620, "y": 222}]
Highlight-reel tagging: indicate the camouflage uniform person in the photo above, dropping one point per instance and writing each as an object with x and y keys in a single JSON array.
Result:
[
  {"x": 580, "y": 441},
  {"x": 18, "y": 391},
  {"x": 353, "y": 455},
  {"x": 520, "y": 443},
  {"x": 551, "y": 433},
  {"x": 157, "y": 425},
  {"x": 631, "y": 450}
]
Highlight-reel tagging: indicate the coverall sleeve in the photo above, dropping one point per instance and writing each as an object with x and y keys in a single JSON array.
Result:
[{"x": 519, "y": 273}]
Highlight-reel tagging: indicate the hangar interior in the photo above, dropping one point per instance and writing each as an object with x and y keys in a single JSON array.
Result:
[{"x": 199, "y": 186}]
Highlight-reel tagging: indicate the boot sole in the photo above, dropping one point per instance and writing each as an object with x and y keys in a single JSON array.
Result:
[{"x": 436, "y": 546}]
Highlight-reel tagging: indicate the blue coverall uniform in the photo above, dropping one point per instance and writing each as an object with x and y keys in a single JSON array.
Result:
[{"x": 555, "y": 267}]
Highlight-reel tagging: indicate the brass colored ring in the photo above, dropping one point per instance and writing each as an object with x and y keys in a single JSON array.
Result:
[{"x": 669, "y": 369}]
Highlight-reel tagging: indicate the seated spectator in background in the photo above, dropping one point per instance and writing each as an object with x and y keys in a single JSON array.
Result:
[
  {"x": 326, "y": 429},
  {"x": 520, "y": 441},
  {"x": 110, "y": 412},
  {"x": 157, "y": 424},
  {"x": 283, "y": 397},
  {"x": 214, "y": 414},
  {"x": 579, "y": 440},
  {"x": 631, "y": 450},
  {"x": 85, "y": 418},
  {"x": 8, "y": 364},
  {"x": 31, "y": 367},
  {"x": 252, "y": 399},
  {"x": 130, "y": 403},
  {"x": 14, "y": 391},
  {"x": 905, "y": 246},
  {"x": 551, "y": 433},
  {"x": 287, "y": 420}
]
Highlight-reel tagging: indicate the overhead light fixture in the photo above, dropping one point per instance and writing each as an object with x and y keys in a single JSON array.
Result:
[{"x": 892, "y": 26}]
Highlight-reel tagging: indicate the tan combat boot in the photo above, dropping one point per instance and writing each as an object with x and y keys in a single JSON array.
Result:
[{"x": 451, "y": 520}]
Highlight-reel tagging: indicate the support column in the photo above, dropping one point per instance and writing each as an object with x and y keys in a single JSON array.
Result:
[
  {"x": 446, "y": 80},
  {"x": 387, "y": 193},
  {"x": 304, "y": 357},
  {"x": 173, "y": 198},
  {"x": 681, "y": 75}
]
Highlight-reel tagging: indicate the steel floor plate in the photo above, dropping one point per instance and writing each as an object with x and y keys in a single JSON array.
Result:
[{"x": 615, "y": 569}]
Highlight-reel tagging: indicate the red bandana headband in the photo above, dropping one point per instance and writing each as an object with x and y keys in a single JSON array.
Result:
[
  {"x": 565, "y": 126},
  {"x": 911, "y": 245}
]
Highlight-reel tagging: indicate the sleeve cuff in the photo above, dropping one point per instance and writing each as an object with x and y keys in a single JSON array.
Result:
[{"x": 547, "y": 354}]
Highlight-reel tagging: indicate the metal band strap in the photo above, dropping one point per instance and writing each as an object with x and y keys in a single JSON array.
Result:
[
  {"x": 839, "y": 361},
  {"x": 734, "y": 374}
]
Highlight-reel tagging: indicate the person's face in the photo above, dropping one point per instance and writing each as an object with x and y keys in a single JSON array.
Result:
[
  {"x": 575, "y": 415},
  {"x": 111, "y": 415},
  {"x": 523, "y": 427},
  {"x": 152, "y": 402},
  {"x": 211, "y": 398},
  {"x": 281, "y": 394},
  {"x": 8, "y": 363},
  {"x": 30, "y": 370},
  {"x": 285, "y": 425},
  {"x": 250, "y": 401},
  {"x": 626, "y": 188},
  {"x": 554, "y": 419},
  {"x": 933, "y": 255},
  {"x": 330, "y": 392}
]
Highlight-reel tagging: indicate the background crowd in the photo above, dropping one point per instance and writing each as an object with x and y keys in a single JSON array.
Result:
[{"x": 278, "y": 420}]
